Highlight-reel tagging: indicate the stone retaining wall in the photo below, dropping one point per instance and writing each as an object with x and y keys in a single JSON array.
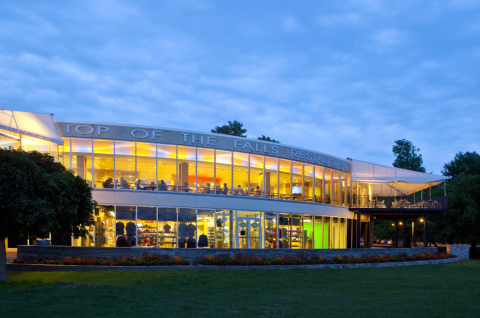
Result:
[
  {"x": 48, "y": 268},
  {"x": 462, "y": 251},
  {"x": 60, "y": 252}
]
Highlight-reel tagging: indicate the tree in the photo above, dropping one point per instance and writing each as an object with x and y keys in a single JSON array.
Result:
[
  {"x": 464, "y": 164},
  {"x": 461, "y": 222},
  {"x": 234, "y": 128},
  {"x": 267, "y": 139},
  {"x": 39, "y": 196},
  {"x": 406, "y": 156}
]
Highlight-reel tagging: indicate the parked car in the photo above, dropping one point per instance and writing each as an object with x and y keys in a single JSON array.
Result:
[
  {"x": 389, "y": 242},
  {"x": 383, "y": 241}
]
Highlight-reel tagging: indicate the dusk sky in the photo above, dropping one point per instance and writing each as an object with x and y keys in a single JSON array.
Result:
[{"x": 346, "y": 78}]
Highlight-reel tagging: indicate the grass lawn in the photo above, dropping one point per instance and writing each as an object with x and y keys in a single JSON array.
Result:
[{"x": 450, "y": 290}]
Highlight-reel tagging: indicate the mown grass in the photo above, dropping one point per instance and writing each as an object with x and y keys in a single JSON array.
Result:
[{"x": 450, "y": 290}]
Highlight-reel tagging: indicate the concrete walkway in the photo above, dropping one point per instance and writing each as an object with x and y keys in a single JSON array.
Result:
[{"x": 11, "y": 256}]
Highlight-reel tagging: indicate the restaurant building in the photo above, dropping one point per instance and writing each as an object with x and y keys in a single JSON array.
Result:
[{"x": 175, "y": 188}]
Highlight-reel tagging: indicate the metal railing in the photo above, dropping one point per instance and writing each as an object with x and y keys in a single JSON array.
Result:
[{"x": 398, "y": 202}]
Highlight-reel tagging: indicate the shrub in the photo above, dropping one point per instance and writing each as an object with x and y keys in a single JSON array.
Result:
[{"x": 144, "y": 260}]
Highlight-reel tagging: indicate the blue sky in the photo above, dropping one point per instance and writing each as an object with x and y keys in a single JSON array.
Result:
[{"x": 347, "y": 78}]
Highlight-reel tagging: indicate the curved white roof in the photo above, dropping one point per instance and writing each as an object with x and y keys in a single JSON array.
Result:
[
  {"x": 404, "y": 181},
  {"x": 38, "y": 125}
]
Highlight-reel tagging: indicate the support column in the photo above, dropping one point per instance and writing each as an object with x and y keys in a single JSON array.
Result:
[
  {"x": 359, "y": 228},
  {"x": 414, "y": 231},
  {"x": 395, "y": 242},
  {"x": 425, "y": 231},
  {"x": 370, "y": 233},
  {"x": 404, "y": 233}
]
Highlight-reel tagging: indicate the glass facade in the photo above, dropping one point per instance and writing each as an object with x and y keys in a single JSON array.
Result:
[
  {"x": 223, "y": 170},
  {"x": 271, "y": 178},
  {"x": 167, "y": 168},
  {"x": 285, "y": 179},
  {"x": 103, "y": 168},
  {"x": 156, "y": 167},
  {"x": 144, "y": 226},
  {"x": 122, "y": 165},
  {"x": 240, "y": 173},
  {"x": 146, "y": 166}
]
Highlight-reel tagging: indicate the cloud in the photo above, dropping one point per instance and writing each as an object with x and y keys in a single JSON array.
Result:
[
  {"x": 389, "y": 38},
  {"x": 344, "y": 78}
]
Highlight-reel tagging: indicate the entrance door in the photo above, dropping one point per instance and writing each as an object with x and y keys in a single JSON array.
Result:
[{"x": 248, "y": 232}]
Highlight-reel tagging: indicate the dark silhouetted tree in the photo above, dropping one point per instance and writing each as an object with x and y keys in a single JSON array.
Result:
[
  {"x": 39, "y": 196},
  {"x": 407, "y": 156},
  {"x": 234, "y": 128},
  {"x": 267, "y": 139},
  {"x": 461, "y": 222}
]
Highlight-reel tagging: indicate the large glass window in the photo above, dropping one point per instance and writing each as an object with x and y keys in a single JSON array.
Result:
[
  {"x": 167, "y": 227},
  {"x": 31, "y": 143},
  {"x": 308, "y": 231},
  {"x": 308, "y": 194},
  {"x": 187, "y": 228},
  {"x": 285, "y": 179},
  {"x": 103, "y": 169},
  {"x": 187, "y": 169},
  {"x": 336, "y": 187},
  {"x": 206, "y": 172},
  {"x": 271, "y": 230},
  {"x": 167, "y": 167},
  {"x": 124, "y": 165},
  {"x": 126, "y": 227},
  {"x": 224, "y": 172},
  {"x": 343, "y": 184},
  {"x": 224, "y": 228},
  {"x": 343, "y": 233},
  {"x": 271, "y": 178},
  {"x": 284, "y": 230},
  {"x": 297, "y": 176},
  {"x": 82, "y": 158},
  {"x": 206, "y": 228},
  {"x": 319, "y": 184},
  {"x": 147, "y": 226},
  {"x": 64, "y": 153},
  {"x": 146, "y": 166},
  {"x": 240, "y": 173},
  {"x": 327, "y": 237},
  {"x": 318, "y": 234},
  {"x": 336, "y": 233},
  {"x": 256, "y": 176},
  {"x": 9, "y": 139},
  {"x": 349, "y": 189},
  {"x": 328, "y": 186},
  {"x": 104, "y": 228},
  {"x": 297, "y": 231}
]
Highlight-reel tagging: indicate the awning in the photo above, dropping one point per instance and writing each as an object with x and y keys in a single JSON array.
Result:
[
  {"x": 38, "y": 125},
  {"x": 390, "y": 180}
]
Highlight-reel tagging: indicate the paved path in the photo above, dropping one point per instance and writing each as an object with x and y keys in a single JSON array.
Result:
[{"x": 11, "y": 256}]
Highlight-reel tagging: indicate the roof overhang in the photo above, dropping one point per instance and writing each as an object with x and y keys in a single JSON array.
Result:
[
  {"x": 37, "y": 125},
  {"x": 393, "y": 181}
]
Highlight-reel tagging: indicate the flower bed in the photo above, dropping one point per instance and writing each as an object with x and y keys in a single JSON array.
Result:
[
  {"x": 144, "y": 260},
  {"x": 237, "y": 259},
  {"x": 312, "y": 259}
]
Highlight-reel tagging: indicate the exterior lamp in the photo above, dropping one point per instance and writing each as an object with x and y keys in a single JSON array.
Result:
[
  {"x": 393, "y": 224},
  {"x": 400, "y": 223},
  {"x": 421, "y": 220}
]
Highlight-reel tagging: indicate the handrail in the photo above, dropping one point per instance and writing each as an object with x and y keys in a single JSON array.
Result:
[{"x": 398, "y": 202}]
